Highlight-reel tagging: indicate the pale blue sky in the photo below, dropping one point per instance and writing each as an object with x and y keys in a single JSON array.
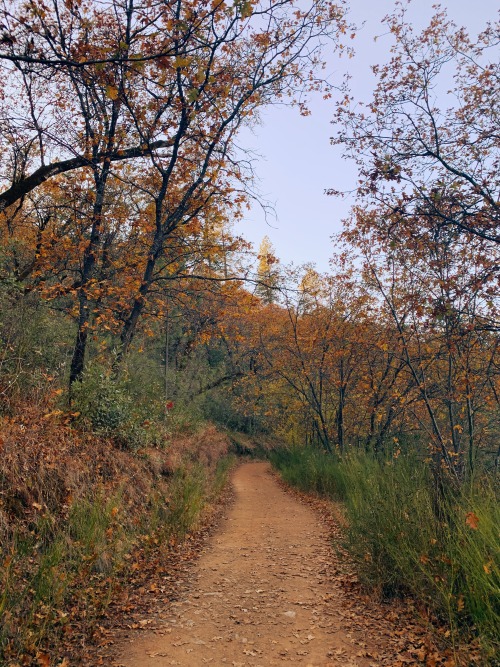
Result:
[{"x": 298, "y": 161}]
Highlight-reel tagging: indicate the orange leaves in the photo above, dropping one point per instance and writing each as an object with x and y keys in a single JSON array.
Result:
[
  {"x": 217, "y": 5},
  {"x": 487, "y": 567},
  {"x": 472, "y": 520},
  {"x": 53, "y": 413},
  {"x": 44, "y": 659},
  {"x": 102, "y": 245}
]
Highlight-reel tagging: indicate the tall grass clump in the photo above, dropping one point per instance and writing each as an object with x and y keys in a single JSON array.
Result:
[
  {"x": 449, "y": 560},
  {"x": 54, "y": 563},
  {"x": 310, "y": 470}
]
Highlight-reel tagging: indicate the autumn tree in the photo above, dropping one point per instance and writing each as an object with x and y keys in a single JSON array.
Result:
[
  {"x": 172, "y": 83},
  {"x": 309, "y": 344},
  {"x": 434, "y": 290},
  {"x": 245, "y": 64},
  {"x": 427, "y": 144},
  {"x": 426, "y": 224}
]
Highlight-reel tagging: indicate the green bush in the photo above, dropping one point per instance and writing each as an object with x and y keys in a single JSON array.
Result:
[
  {"x": 35, "y": 345},
  {"x": 310, "y": 470},
  {"x": 102, "y": 400},
  {"x": 78, "y": 559},
  {"x": 187, "y": 493},
  {"x": 107, "y": 406}
]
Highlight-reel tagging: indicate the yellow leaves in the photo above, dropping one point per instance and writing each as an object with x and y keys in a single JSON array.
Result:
[
  {"x": 487, "y": 567},
  {"x": 200, "y": 76},
  {"x": 112, "y": 92},
  {"x": 193, "y": 95},
  {"x": 245, "y": 7},
  {"x": 182, "y": 61},
  {"x": 472, "y": 520}
]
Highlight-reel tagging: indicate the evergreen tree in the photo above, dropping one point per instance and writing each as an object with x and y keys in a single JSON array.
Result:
[{"x": 267, "y": 272}]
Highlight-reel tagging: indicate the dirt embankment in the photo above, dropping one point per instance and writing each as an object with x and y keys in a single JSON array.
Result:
[{"x": 83, "y": 526}]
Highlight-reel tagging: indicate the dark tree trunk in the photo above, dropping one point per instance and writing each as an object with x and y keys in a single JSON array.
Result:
[
  {"x": 89, "y": 264},
  {"x": 130, "y": 325}
]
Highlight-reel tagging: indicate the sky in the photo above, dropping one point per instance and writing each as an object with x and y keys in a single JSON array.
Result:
[{"x": 298, "y": 163}]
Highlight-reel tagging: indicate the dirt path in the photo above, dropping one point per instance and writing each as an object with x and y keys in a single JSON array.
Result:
[{"x": 265, "y": 592}]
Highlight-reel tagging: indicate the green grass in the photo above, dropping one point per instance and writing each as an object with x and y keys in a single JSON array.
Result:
[
  {"x": 450, "y": 563},
  {"x": 45, "y": 567},
  {"x": 310, "y": 470}
]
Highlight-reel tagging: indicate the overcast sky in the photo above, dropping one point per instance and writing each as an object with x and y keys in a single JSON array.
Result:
[{"x": 299, "y": 163}]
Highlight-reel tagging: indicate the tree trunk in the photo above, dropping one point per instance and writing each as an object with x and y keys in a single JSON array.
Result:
[
  {"x": 89, "y": 263},
  {"x": 130, "y": 325}
]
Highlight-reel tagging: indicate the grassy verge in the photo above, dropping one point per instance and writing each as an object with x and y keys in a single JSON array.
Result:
[
  {"x": 450, "y": 566},
  {"x": 77, "y": 517}
]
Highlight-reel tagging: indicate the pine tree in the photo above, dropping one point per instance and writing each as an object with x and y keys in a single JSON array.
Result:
[{"x": 267, "y": 272}]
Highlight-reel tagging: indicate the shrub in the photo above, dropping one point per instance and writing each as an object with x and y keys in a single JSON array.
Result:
[
  {"x": 60, "y": 562},
  {"x": 107, "y": 406},
  {"x": 310, "y": 470},
  {"x": 101, "y": 400}
]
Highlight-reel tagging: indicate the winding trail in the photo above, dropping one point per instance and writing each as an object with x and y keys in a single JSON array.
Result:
[{"x": 265, "y": 592}]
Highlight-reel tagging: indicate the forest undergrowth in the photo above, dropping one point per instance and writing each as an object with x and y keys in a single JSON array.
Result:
[{"x": 79, "y": 516}]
